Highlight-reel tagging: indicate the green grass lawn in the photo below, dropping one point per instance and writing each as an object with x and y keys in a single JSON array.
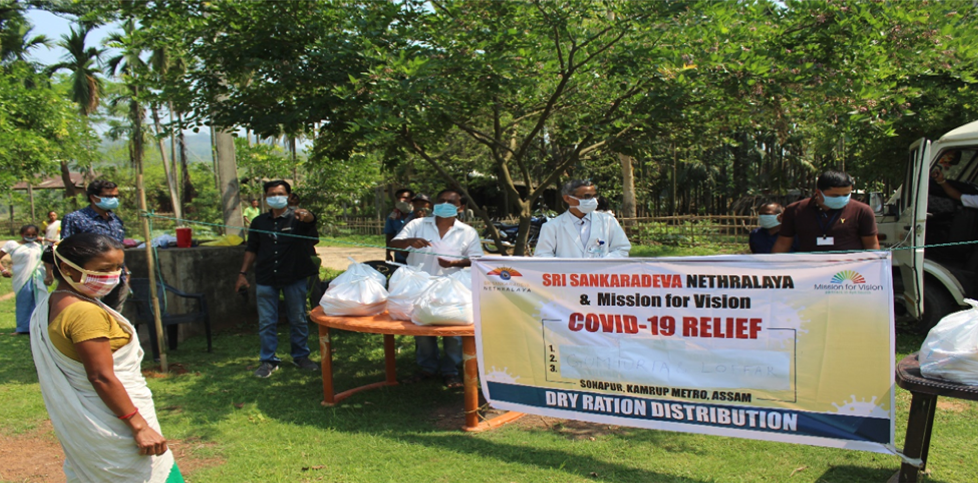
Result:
[{"x": 275, "y": 430}]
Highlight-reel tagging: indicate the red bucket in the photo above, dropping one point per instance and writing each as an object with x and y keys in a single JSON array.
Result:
[{"x": 184, "y": 237}]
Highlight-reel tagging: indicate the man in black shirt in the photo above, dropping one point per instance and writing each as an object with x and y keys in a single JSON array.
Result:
[{"x": 278, "y": 247}]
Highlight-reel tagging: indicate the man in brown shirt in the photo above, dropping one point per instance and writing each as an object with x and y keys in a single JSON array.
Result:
[{"x": 829, "y": 220}]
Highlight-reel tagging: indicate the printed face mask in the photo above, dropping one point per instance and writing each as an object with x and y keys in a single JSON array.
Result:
[
  {"x": 768, "y": 221},
  {"x": 835, "y": 202},
  {"x": 404, "y": 206},
  {"x": 446, "y": 210},
  {"x": 108, "y": 203},
  {"x": 586, "y": 205},
  {"x": 277, "y": 202},
  {"x": 93, "y": 284}
]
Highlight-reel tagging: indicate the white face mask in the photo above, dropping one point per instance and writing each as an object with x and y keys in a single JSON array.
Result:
[
  {"x": 93, "y": 284},
  {"x": 768, "y": 221},
  {"x": 586, "y": 205}
]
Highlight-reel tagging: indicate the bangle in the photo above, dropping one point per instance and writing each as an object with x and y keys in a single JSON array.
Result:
[
  {"x": 130, "y": 415},
  {"x": 243, "y": 273},
  {"x": 942, "y": 182}
]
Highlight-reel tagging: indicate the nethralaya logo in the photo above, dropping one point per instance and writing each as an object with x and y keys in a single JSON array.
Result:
[
  {"x": 848, "y": 281},
  {"x": 505, "y": 273},
  {"x": 848, "y": 276}
]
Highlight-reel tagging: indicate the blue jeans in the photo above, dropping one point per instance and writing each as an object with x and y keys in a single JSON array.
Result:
[
  {"x": 25, "y": 306},
  {"x": 427, "y": 355},
  {"x": 295, "y": 309}
]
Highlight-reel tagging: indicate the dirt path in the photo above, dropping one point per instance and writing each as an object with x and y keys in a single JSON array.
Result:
[
  {"x": 36, "y": 457},
  {"x": 336, "y": 257}
]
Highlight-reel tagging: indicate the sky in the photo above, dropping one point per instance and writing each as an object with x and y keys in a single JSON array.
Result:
[{"x": 54, "y": 27}]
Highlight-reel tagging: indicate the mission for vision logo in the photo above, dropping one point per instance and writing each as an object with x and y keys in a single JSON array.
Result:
[
  {"x": 849, "y": 276},
  {"x": 848, "y": 281},
  {"x": 505, "y": 273}
]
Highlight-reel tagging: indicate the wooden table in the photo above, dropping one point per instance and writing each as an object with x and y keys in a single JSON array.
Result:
[
  {"x": 383, "y": 324},
  {"x": 923, "y": 405}
]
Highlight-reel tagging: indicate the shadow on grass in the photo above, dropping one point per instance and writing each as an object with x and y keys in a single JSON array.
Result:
[
  {"x": 857, "y": 473},
  {"x": 217, "y": 386},
  {"x": 220, "y": 384},
  {"x": 16, "y": 361}
]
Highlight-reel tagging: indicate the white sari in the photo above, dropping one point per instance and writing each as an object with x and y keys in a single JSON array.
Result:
[{"x": 98, "y": 446}]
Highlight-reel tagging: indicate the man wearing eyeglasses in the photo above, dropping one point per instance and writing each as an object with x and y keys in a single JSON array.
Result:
[{"x": 582, "y": 232}]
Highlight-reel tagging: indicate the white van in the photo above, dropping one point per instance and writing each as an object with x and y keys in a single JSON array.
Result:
[{"x": 935, "y": 281}]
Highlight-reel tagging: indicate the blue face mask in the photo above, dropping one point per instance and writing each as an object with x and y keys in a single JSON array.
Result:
[
  {"x": 277, "y": 202},
  {"x": 768, "y": 221},
  {"x": 446, "y": 210},
  {"x": 108, "y": 203},
  {"x": 835, "y": 202}
]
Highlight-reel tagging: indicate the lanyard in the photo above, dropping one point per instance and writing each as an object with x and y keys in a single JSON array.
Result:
[{"x": 825, "y": 228}]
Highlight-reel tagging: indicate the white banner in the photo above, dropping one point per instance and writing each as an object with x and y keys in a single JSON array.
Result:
[{"x": 758, "y": 347}]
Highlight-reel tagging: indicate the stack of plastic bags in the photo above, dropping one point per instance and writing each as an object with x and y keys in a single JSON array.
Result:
[
  {"x": 447, "y": 301},
  {"x": 406, "y": 286},
  {"x": 359, "y": 291},
  {"x": 950, "y": 351}
]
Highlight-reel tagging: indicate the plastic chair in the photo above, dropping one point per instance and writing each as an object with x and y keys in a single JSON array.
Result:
[{"x": 144, "y": 312}]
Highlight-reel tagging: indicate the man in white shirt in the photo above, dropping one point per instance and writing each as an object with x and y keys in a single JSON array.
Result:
[
  {"x": 457, "y": 243},
  {"x": 581, "y": 232}
]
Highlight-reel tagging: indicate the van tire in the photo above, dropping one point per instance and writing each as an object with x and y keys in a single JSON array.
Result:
[{"x": 937, "y": 304}]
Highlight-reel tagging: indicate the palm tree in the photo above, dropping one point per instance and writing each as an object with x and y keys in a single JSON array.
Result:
[
  {"x": 16, "y": 41},
  {"x": 130, "y": 67},
  {"x": 81, "y": 61},
  {"x": 86, "y": 85},
  {"x": 160, "y": 62}
]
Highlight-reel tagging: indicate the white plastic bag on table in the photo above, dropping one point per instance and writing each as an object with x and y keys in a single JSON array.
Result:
[
  {"x": 464, "y": 275},
  {"x": 446, "y": 302},
  {"x": 359, "y": 270},
  {"x": 359, "y": 297},
  {"x": 406, "y": 286},
  {"x": 950, "y": 351}
]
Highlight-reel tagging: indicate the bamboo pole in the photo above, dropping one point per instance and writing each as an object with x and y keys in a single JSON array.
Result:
[
  {"x": 151, "y": 270},
  {"x": 30, "y": 194}
]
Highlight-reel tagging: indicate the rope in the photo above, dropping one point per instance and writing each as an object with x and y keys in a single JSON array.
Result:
[
  {"x": 301, "y": 237},
  {"x": 894, "y": 248}
]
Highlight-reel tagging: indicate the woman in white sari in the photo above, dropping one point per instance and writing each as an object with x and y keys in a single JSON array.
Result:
[
  {"x": 27, "y": 274},
  {"x": 88, "y": 362}
]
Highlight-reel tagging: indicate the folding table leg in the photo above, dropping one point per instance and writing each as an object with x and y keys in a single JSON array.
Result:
[
  {"x": 919, "y": 425},
  {"x": 470, "y": 366},
  {"x": 326, "y": 356}
]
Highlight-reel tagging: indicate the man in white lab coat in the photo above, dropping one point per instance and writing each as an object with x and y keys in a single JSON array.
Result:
[{"x": 581, "y": 232}]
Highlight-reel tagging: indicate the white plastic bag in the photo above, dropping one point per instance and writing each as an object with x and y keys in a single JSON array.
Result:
[
  {"x": 406, "y": 286},
  {"x": 359, "y": 270},
  {"x": 446, "y": 302},
  {"x": 464, "y": 275},
  {"x": 950, "y": 351},
  {"x": 361, "y": 297}
]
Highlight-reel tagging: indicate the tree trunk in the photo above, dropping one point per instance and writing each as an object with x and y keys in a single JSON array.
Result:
[
  {"x": 70, "y": 190},
  {"x": 227, "y": 175},
  {"x": 628, "y": 186},
  {"x": 188, "y": 192},
  {"x": 168, "y": 170},
  {"x": 173, "y": 151},
  {"x": 675, "y": 169}
]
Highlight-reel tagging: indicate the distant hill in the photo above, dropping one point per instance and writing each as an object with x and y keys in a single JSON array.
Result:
[{"x": 198, "y": 146}]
